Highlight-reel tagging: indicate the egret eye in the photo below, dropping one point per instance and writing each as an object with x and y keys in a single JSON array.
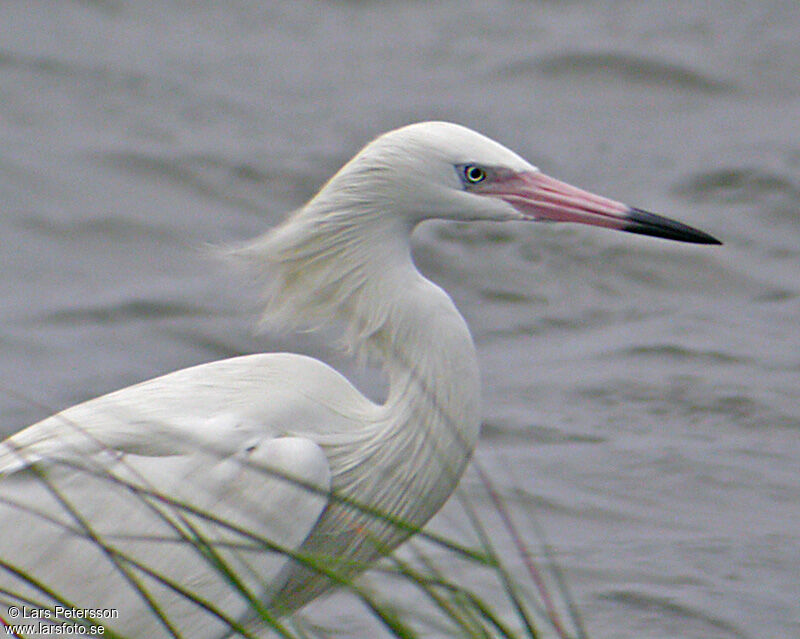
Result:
[{"x": 474, "y": 174}]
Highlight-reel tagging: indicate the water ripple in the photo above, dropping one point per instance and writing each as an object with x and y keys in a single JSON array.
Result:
[
  {"x": 609, "y": 65},
  {"x": 678, "y": 352},
  {"x": 728, "y": 185},
  {"x": 664, "y": 606},
  {"x": 124, "y": 311},
  {"x": 238, "y": 183}
]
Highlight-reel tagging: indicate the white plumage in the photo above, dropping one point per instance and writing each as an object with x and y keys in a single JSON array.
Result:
[{"x": 180, "y": 501}]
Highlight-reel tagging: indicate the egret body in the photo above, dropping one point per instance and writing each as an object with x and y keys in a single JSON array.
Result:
[{"x": 191, "y": 503}]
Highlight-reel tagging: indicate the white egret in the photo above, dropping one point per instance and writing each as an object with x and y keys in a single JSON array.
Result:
[{"x": 205, "y": 501}]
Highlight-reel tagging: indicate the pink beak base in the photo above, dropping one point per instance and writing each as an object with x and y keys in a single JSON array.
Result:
[{"x": 539, "y": 197}]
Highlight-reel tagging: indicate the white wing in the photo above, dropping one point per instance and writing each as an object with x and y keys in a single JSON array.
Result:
[{"x": 172, "y": 504}]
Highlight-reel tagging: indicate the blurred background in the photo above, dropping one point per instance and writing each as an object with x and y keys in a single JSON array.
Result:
[{"x": 641, "y": 398}]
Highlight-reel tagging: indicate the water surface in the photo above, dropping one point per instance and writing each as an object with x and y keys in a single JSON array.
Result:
[{"x": 642, "y": 399}]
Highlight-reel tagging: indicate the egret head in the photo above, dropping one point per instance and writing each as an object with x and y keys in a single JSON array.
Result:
[{"x": 446, "y": 171}]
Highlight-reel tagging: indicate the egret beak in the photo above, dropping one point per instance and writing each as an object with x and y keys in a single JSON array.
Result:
[{"x": 539, "y": 197}]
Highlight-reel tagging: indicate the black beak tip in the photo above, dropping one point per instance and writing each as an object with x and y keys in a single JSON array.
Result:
[{"x": 646, "y": 223}]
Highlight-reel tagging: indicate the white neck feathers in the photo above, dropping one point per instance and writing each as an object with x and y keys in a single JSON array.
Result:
[{"x": 329, "y": 266}]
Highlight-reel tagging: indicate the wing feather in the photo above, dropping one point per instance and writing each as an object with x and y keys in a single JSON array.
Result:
[{"x": 174, "y": 503}]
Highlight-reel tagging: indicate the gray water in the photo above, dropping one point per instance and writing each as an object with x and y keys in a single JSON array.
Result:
[{"x": 641, "y": 398}]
